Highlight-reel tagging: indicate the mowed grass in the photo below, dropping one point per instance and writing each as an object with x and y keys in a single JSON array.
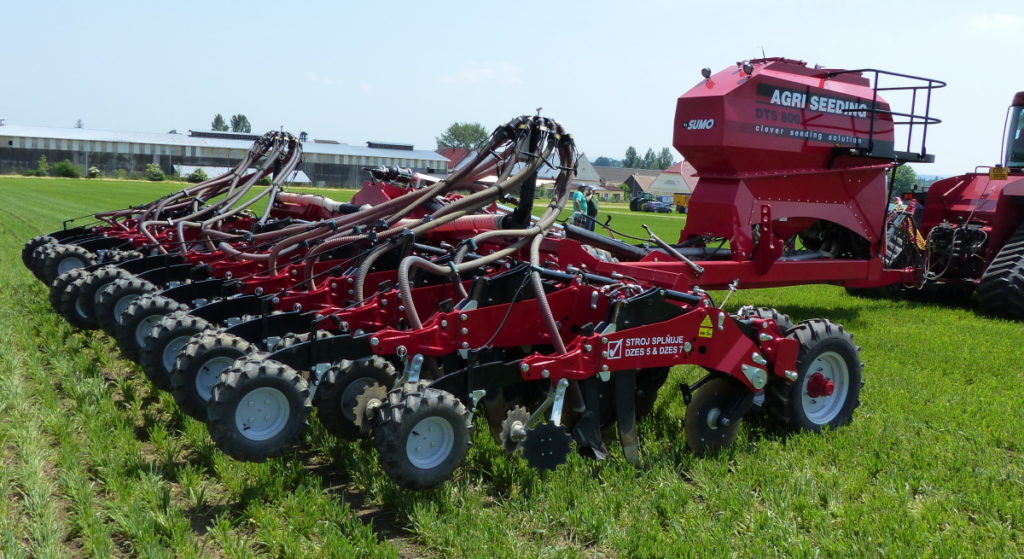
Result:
[{"x": 94, "y": 462}]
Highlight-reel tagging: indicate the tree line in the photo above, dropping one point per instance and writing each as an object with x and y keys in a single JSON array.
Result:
[{"x": 239, "y": 123}]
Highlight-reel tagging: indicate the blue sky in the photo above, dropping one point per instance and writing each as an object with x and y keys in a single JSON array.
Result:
[{"x": 403, "y": 71}]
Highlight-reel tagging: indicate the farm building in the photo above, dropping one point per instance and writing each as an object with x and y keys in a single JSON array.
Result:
[
  {"x": 324, "y": 162},
  {"x": 677, "y": 179}
]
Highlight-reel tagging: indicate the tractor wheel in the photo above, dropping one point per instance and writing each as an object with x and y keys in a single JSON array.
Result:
[
  {"x": 335, "y": 397},
  {"x": 69, "y": 305},
  {"x": 37, "y": 262},
  {"x": 199, "y": 366},
  {"x": 827, "y": 389},
  {"x": 92, "y": 285},
  {"x": 115, "y": 298},
  {"x": 1001, "y": 291},
  {"x": 62, "y": 284},
  {"x": 422, "y": 436},
  {"x": 258, "y": 410},
  {"x": 708, "y": 430},
  {"x": 165, "y": 342},
  {"x": 31, "y": 246},
  {"x": 64, "y": 258},
  {"x": 139, "y": 318},
  {"x": 782, "y": 320}
]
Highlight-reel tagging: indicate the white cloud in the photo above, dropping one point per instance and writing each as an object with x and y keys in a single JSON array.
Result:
[
  {"x": 995, "y": 23},
  {"x": 505, "y": 73}
]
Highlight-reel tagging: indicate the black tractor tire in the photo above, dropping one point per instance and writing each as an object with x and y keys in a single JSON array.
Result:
[
  {"x": 31, "y": 245},
  {"x": 60, "y": 286},
  {"x": 64, "y": 258},
  {"x": 135, "y": 323},
  {"x": 92, "y": 285},
  {"x": 782, "y": 320},
  {"x": 258, "y": 410},
  {"x": 37, "y": 261},
  {"x": 115, "y": 298},
  {"x": 335, "y": 396},
  {"x": 165, "y": 342},
  {"x": 827, "y": 354},
  {"x": 706, "y": 434},
  {"x": 198, "y": 369},
  {"x": 422, "y": 436},
  {"x": 1001, "y": 291},
  {"x": 69, "y": 306}
]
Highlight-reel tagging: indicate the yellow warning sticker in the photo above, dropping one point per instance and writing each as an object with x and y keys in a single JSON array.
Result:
[{"x": 706, "y": 330}]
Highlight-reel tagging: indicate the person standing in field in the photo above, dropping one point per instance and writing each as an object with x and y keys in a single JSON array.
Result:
[
  {"x": 579, "y": 206},
  {"x": 591, "y": 207}
]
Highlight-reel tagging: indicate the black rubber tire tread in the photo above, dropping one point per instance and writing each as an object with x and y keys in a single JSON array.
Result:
[
  {"x": 142, "y": 309},
  {"x": 203, "y": 347},
  {"x": 38, "y": 259},
  {"x": 61, "y": 284},
  {"x": 108, "y": 298},
  {"x": 329, "y": 393},
  {"x": 405, "y": 408},
  {"x": 61, "y": 252},
  {"x": 1001, "y": 291},
  {"x": 69, "y": 308},
  {"x": 784, "y": 322},
  {"x": 30, "y": 247},
  {"x": 782, "y": 399},
  {"x": 249, "y": 375},
  {"x": 170, "y": 327},
  {"x": 718, "y": 391},
  {"x": 94, "y": 282}
]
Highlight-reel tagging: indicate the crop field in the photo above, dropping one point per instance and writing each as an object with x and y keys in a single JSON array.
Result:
[{"x": 95, "y": 462}]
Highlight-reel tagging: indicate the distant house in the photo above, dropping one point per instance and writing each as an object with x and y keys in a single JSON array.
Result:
[
  {"x": 585, "y": 172},
  {"x": 677, "y": 179},
  {"x": 638, "y": 180}
]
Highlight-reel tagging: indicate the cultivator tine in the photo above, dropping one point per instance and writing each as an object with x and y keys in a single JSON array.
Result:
[{"x": 625, "y": 415}]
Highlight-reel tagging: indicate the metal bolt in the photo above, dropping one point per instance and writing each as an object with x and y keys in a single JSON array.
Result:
[
  {"x": 464, "y": 331},
  {"x": 604, "y": 354},
  {"x": 465, "y": 345},
  {"x": 524, "y": 367},
  {"x": 444, "y": 324},
  {"x": 724, "y": 422},
  {"x": 588, "y": 347},
  {"x": 604, "y": 340},
  {"x": 334, "y": 285},
  {"x": 374, "y": 341},
  {"x": 383, "y": 302},
  {"x": 545, "y": 373},
  {"x": 792, "y": 376},
  {"x": 463, "y": 317},
  {"x": 401, "y": 351}
]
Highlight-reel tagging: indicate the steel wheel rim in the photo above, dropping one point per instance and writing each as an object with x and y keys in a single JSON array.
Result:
[
  {"x": 68, "y": 264},
  {"x": 79, "y": 308},
  {"x": 824, "y": 409},
  {"x": 144, "y": 327},
  {"x": 430, "y": 443},
  {"x": 172, "y": 350},
  {"x": 349, "y": 395},
  {"x": 122, "y": 305},
  {"x": 262, "y": 413},
  {"x": 209, "y": 374}
]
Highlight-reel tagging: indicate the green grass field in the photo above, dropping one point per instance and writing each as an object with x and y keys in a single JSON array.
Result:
[{"x": 94, "y": 462}]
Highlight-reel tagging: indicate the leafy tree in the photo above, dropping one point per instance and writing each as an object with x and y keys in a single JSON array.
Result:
[
  {"x": 905, "y": 179},
  {"x": 93, "y": 173},
  {"x": 121, "y": 173},
  {"x": 154, "y": 172},
  {"x": 66, "y": 169},
  {"x": 239, "y": 123},
  {"x": 650, "y": 160},
  {"x": 664, "y": 159},
  {"x": 466, "y": 135},
  {"x": 632, "y": 160},
  {"x": 43, "y": 168},
  {"x": 198, "y": 175},
  {"x": 607, "y": 162},
  {"x": 218, "y": 124}
]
